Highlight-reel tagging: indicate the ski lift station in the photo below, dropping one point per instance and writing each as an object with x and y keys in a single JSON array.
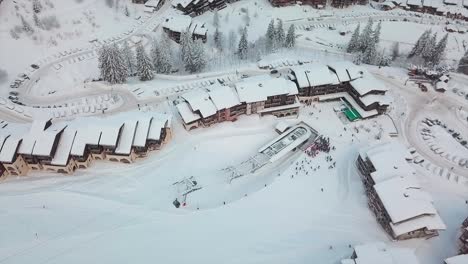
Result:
[{"x": 289, "y": 140}]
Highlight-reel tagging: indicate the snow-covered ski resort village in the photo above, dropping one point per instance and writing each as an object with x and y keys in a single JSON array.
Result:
[{"x": 234, "y": 131}]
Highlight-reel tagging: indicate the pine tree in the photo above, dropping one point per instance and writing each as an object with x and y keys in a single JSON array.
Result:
[
  {"x": 280, "y": 36},
  {"x": 218, "y": 40},
  {"x": 37, "y": 22},
  {"x": 111, "y": 64},
  {"x": 243, "y": 46},
  {"x": 270, "y": 37},
  {"x": 429, "y": 50},
  {"x": 353, "y": 44},
  {"x": 216, "y": 18},
  {"x": 37, "y": 6},
  {"x": 367, "y": 35},
  {"x": 26, "y": 26},
  {"x": 420, "y": 44},
  {"x": 290, "y": 37},
  {"x": 463, "y": 64},
  {"x": 395, "y": 50},
  {"x": 129, "y": 58},
  {"x": 377, "y": 32},
  {"x": 370, "y": 54},
  {"x": 196, "y": 57},
  {"x": 232, "y": 40},
  {"x": 161, "y": 56},
  {"x": 439, "y": 51},
  {"x": 144, "y": 66},
  {"x": 185, "y": 42}
]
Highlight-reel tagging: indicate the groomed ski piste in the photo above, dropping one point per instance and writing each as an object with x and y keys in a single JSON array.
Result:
[{"x": 251, "y": 190}]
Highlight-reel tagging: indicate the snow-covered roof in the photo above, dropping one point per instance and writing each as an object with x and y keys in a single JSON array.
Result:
[
  {"x": 315, "y": 75},
  {"x": 381, "y": 99},
  {"x": 367, "y": 84},
  {"x": 223, "y": 97},
  {"x": 414, "y": 2},
  {"x": 258, "y": 88},
  {"x": 451, "y": 2},
  {"x": 389, "y": 4},
  {"x": 152, "y": 3},
  {"x": 142, "y": 131},
  {"x": 64, "y": 147},
  {"x": 110, "y": 134},
  {"x": 157, "y": 124},
  {"x": 409, "y": 207},
  {"x": 29, "y": 139},
  {"x": 460, "y": 259},
  {"x": 177, "y": 23},
  {"x": 199, "y": 29},
  {"x": 380, "y": 253},
  {"x": 85, "y": 136},
  {"x": 342, "y": 69},
  {"x": 442, "y": 86},
  {"x": 186, "y": 113},
  {"x": 45, "y": 140},
  {"x": 126, "y": 137},
  {"x": 199, "y": 100},
  {"x": 9, "y": 149},
  {"x": 183, "y": 3},
  {"x": 350, "y": 100},
  {"x": 388, "y": 159}
]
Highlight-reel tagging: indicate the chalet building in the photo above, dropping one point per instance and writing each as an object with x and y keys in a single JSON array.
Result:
[
  {"x": 13, "y": 162},
  {"x": 124, "y": 151},
  {"x": 414, "y": 5},
  {"x": 64, "y": 147},
  {"x": 62, "y": 161},
  {"x": 381, "y": 253},
  {"x": 198, "y": 7},
  {"x": 341, "y": 81},
  {"x": 261, "y": 95},
  {"x": 175, "y": 25},
  {"x": 153, "y": 5},
  {"x": 395, "y": 197},
  {"x": 29, "y": 140}
]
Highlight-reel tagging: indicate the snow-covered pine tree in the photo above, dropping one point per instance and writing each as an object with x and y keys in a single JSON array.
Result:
[
  {"x": 26, "y": 26},
  {"x": 111, "y": 64},
  {"x": 353, "y": 44},
  {"x": 37, "y": 22},
  {"x": 129, "y": 59},
  {"x": 270, "y": 37},
  {"x": 37, "y": 6},
  {"x": 144, "y": 65},
  {"x": 232, "y": 40},
  {"x": 218, "y": 40},
  {"x": 196, "y": 57},
  {"x": 155, "y": 54},
  {"x": 420, "y": 44},
  {"x": 358, "y": 58},
  {"x": 439, "y": 50},
  {"x": 377, "y": 32},
  {"x": 164, "y": 64},
  {"x": 290, "y": 37},
  {"x": 382, "y": 59},
  {"x": 367, "y": 36},
  {"x": 280, "y": 35},
  {"x": 243, "y": 46},
  {"x": 185, "y": 42},
  {"x": 370, "y": 54},
  {"x": 463, "y": 64},
  {"x": 429, "y": 50},
  {"x": 395, "y": 50},
  {"x": 216, "y": 18}
]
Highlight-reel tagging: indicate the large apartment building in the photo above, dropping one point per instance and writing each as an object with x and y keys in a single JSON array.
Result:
[{"x": 401, "y": 206}]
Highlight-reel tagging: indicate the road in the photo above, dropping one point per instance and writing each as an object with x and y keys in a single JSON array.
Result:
[{"x": 421, "y": 105}]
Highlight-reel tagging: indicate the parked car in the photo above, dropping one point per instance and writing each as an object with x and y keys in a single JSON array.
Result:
[
  {"x": 34, "y": 66},
  {"x": 274, "y": 71}
]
